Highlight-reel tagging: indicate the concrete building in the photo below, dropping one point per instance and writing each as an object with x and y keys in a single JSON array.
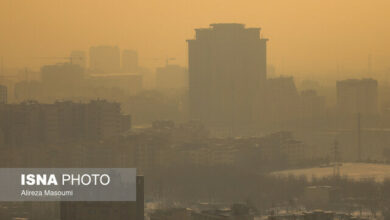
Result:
[
  {"x": 28, "y": 90},
  {"x": 227, "y": 74},
  {"x": 103, "y": 119},
  {"x": 282, "y": 100},
  {"x": 282, "y": 147},
  {"x": 312, "y": 105},
  {"x": 104, "y": 59},
  {"x": 171, "y": 77},
  {"x": 21, "y": 123},
  {"x": 34, "y": 123},
  {"x": 130, "y": 61},
  {"x": 357, "y": 96},
  {"x": 61, "y": 76},
  {"x": 130, "y": 83}
]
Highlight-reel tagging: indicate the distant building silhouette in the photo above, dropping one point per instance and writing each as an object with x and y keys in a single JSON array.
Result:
[
  {"x": 63, "y": 74},
  {"x": 104, "y": 59},
  {"x": 36, "y": 123},
  {"x": 3, "y": 94},
  {"x": 66, "y": 81},
  {"x": 79, "y": 57},
  {"x": 312, "y": 105},
  {"x": 227, "y": 74},
  {"x": 129, "y": 61},
  {"x": 282, "y": 100},
  {"x": 357, "y": 96},
  {"x": 171, "y": 77},
  {"x": 130, "y": 83}
]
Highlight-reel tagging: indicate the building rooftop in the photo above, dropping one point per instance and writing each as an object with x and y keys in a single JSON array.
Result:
[{"x": 227, "y": 25}]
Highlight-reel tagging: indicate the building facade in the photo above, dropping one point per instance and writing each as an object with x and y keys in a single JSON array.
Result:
[
  {"x": 356, "y": 96},
  {"x": 104, "y": 59},
  {"x": 227, "y": 74},
  {"x": 36, "y": 123},
  {"x": 130, "y": 61},
  {"x": 171, "y": 77}
]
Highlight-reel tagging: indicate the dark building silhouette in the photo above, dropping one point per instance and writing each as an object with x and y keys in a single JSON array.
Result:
[
  {"x": 58, "y": 82},
  {"x": 357, "y": 96},
  {"x": 68, "y": 81},
  {"x": 130, "y": 83},
  {"x": 36, "y": 123},
  {"x": 3, "y": 94},
  {"x": 62, "y": 74},
  {"x": 227, "y": 73},
  {"x": 282, "y": 100},
  {"x": 312, "y": 105},
  {"x": 104, "y": 59},
  {"x": 106, "y": 210},
  {"x": 171, "y": 77},
  {"x": 130, "y": 61}
]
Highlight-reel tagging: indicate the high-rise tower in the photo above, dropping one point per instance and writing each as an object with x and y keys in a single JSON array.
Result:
[{"x": 227, "y": 74}]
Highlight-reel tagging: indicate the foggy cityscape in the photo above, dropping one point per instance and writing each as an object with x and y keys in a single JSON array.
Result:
[{"x": 271, "y": 115}]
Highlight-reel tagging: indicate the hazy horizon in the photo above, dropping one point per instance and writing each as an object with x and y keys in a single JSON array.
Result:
[{"x": 304, "y": 38}]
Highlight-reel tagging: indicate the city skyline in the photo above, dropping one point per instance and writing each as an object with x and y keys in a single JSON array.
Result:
[{"x": 305, "y": 39}]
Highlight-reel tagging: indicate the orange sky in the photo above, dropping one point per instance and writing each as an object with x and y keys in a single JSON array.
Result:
[{"x": 306, "y": 36}]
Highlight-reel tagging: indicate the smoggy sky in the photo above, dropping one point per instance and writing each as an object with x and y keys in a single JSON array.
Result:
[{"x": 306, "y": 36}]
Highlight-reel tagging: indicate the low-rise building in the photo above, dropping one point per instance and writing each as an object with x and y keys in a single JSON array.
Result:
[{"x": 33, "y": 123}]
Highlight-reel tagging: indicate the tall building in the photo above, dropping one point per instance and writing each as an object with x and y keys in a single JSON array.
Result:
[
  {"x": 357, "y": 96},
  {"x": 171, "y": 77},
  {"x": 104, "y": 59},
  {"x": 3, "y": 94},
  {"x": 78, "y": 57},
  {"x": 282, "y": 100},
  {"x": 312, "y": 105},
  {"x": 130, "y": 61},
  {"x": 227, "y": 74}
]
